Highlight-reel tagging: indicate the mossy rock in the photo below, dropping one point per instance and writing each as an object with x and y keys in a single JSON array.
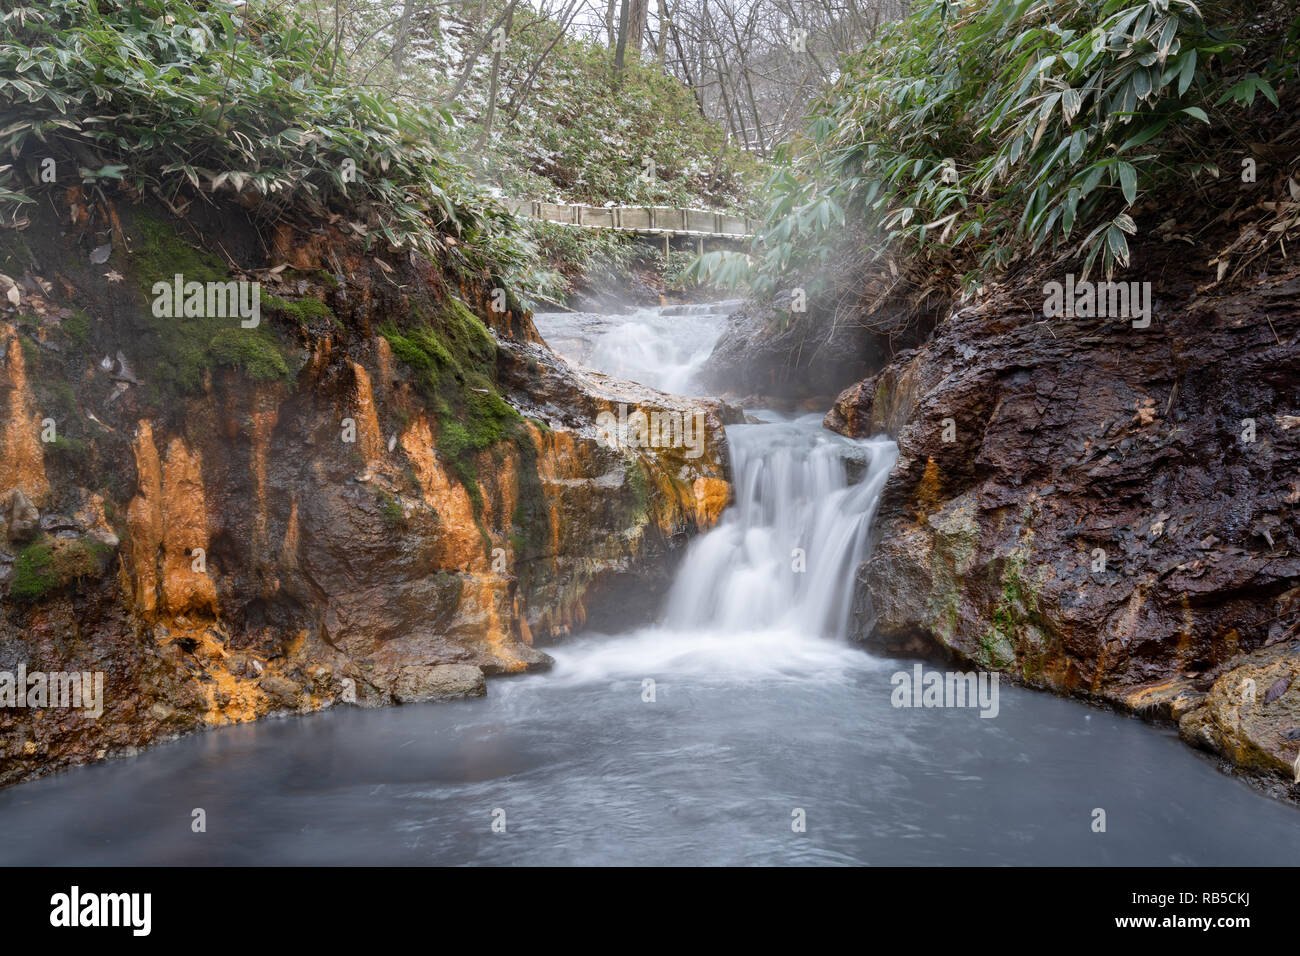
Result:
[
  {"x": 453, "y": 359},
  {"x": 76, "y": 328},
  {"x": 391, "y": 511},
  {"x": 49, "y": 564}
]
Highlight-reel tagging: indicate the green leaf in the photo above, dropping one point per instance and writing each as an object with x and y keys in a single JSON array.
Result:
[
  {"x": 1187, "y": 72},
  {"x": 1128, "y": 181},
  {"x": 1117, "y": 244},
  {"x": 1146, "y": 135}
]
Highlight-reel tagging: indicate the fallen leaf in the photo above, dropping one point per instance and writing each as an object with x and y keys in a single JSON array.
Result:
[{"x": 1276, "y": 689}]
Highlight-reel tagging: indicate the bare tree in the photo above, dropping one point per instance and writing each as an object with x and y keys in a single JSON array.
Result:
[{"x": 753, "y": 66}]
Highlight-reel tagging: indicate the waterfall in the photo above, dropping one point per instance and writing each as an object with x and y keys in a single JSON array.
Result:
[
  {"x": 777, "y": 572},
  {"x": 783, "y": 555}
]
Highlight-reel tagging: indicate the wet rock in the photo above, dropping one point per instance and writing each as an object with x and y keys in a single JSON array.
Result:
[
  {"x": 54, "y": 523},
  {"x": 281, "y": 692},
  {"x": 805, "y": 345},
  {"x": 162, "y": 711},
  {"x": 1277, "y": 689},
  {"x": 1075, "y": 506},
  {"x": 1243, "y": 723},
  {"x": 760, "y": 352},
  {"x": 417, "y": 682},
  {"x": 106, "y": 538},
  {"x": 712, "y": 495}
]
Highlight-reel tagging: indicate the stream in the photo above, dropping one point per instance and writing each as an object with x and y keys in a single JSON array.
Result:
[{"x": 742, "y": 729}]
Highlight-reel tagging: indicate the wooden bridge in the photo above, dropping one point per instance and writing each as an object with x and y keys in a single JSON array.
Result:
[{"x": 665, "y": 221}]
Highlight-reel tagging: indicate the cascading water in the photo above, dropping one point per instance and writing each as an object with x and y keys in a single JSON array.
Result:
[
  {"x": 766, "y": 594},
  {"x": 659, "y": 347},
  {"x": 768, "y": 591},
  {"x": 783, "y": 555}
]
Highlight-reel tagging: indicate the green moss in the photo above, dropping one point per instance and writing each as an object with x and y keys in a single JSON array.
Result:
[
  {"x": 76, "y": 328},
  {"x": 14, "y": 253},
  {"x": 453, "y": 358},
  {"x": 639, "y": 483},
  {"x": 531, "y": 519},
  {"x": 302, "y": 311},
  {"x": 996, "y": 645},
  {"x": 258, "y": 358},
  {"x": 47, "y": 565},
  {"x": 174, "y": 352},
  {"x": 391, "y": 511},
  {"x": 62, "y": 398},
  {"x": 31, "y": 353},
  {"x": 1013, "y": 616},
  {"x": 422, "y": 350},
  {"x": 33, "y": 577},
  {"x": 159, "y": 253},
  {"x": 71, "y": 448}
]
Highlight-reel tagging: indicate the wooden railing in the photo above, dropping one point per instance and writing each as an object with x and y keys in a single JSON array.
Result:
[{"x": 650, "y": 220}]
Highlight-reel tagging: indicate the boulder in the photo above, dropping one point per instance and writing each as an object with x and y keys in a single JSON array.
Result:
[
  {"x": 24, "y": 517},
  {"x": 417, "y": 682},
  {"x": 1252, "y": 714}
]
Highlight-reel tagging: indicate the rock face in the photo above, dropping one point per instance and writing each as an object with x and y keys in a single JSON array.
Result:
[
  {"x": 413, "y": 502},
  {"x": 1102, "y": 510},
  {"x": 773, "y": 352}
]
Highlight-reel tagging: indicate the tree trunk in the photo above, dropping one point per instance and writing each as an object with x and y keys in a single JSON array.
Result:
[
  {"x": 620, "y": 50},
  {"x": 639, "y": 14},
  {"x": 662, "y": 52},
  {"x": 478, "y": 51},
  {"x": 496, "y": 79},
  {"x": 686, "y": 70},
  {"x": 403, "y": 33}
]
